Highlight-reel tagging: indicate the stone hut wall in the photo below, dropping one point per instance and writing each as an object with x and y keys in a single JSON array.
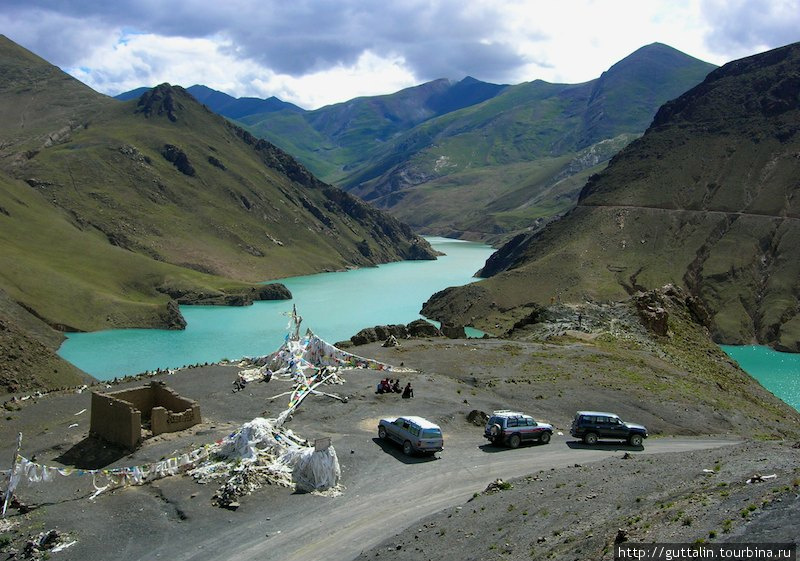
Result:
[
  {"x": 117, "y": 416},
  {"x": 116, "y": 420},
  {"x": 172, "y": 412}
]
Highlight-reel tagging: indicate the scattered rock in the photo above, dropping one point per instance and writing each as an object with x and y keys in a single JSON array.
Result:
[
  {"x": 497, "y": 485},
  {"x": 42, "y": 542},
  {"x": 178, "y": 158},
  {"x": 622, "y": 536},
  {"x": 477, "y": 418}
]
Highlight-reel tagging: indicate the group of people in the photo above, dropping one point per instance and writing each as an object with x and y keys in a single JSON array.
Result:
[{"x": 388, "y": 385}]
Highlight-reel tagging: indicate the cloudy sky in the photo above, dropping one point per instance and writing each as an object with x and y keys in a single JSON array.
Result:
[{"x": 317, "y": 52}]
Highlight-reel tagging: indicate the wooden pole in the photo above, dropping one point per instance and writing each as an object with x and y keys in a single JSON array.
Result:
[{"x": 11, "y": 474}]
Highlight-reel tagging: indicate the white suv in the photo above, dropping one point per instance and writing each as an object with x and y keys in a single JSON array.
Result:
[{"x": 414, "y": 433}]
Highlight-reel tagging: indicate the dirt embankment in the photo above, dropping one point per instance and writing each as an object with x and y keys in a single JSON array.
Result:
[{"x": 583, "y": 511}]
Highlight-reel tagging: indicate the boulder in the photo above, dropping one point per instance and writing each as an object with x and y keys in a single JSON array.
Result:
[
  {"x": 422, "y": 328},
  {"x": 477, "y": 418},
  {"x": 654, "y": 319},
  {"x": 379, "y": 333},
  {"x": 453, "y": 331}
]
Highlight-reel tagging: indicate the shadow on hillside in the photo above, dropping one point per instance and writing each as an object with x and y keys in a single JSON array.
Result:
[
  {"x": 395, "y": 450},
  {"x": 611, "y": 446},
  {"x": 92, "y": 453}
]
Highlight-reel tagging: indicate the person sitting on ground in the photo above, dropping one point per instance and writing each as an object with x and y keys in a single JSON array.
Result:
[
  {"x": 408, "y": 391},
  {"x": 379, "y": 387},
  {"x": 396, "y": 386}
]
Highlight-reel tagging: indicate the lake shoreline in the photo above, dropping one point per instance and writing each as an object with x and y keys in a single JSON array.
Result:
[{"x": 335, "y": 305}]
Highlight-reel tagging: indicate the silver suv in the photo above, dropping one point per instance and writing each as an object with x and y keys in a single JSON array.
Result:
[
  {"x": 513, "y": 428},
  {"x": 414, "y": 433}
]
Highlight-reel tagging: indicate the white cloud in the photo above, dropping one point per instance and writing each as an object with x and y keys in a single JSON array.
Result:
[
  {"x": 147, "y": 60},
  {"x": 583, "y": 39},
  {"x": 315, "y": 52},
  {"x": 370, "y": 75}
]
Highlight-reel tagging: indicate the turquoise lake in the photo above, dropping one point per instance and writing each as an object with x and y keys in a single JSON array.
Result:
[
  {"x": 334, "y": 305},
  {"x": 778, "y": 372}
]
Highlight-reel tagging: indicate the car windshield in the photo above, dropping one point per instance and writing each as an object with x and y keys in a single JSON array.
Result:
[{"x": 431, "y": 433}]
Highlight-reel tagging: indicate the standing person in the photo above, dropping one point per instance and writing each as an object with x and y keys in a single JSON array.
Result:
[{"x": 408, "y": 391}]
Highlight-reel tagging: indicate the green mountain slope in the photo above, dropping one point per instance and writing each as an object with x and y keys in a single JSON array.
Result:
[
  {"x": 551, "y": 132},
  {"x": 167, "y": 178},
  {"x": 706, "y": 199},
  {"x": 472, "y": 159},
  {"x": 337, "y": 138},
  {"x": 111, "y": 212}
]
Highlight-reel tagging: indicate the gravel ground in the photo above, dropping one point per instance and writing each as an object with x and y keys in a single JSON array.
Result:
[
  {"x": 566, "y": 501},
  {"x": 581, "y": 511}
]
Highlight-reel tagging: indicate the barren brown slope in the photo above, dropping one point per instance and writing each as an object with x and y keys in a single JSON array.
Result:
[{"x": 706, "y": 199}]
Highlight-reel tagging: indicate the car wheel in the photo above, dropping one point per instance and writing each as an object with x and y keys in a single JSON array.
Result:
[
  {"x": 635, "y": 440},
  {"x": 545, "y": 438},
  {"x": 590, "y": 438},
  {"x": 514, "y": 440},
  {"x": 494, "y": 430},
  {"x": 407, "y": 449},
  {"x": 381, "y": 432}
]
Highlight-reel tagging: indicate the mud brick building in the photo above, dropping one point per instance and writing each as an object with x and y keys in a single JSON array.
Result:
[{"x": 119, "y": 416}]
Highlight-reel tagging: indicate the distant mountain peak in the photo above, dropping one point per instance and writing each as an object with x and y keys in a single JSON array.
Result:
[{"x": 164, "y": 99}]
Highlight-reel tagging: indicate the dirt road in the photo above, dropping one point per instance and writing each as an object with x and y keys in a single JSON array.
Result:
[{"x": 396, "y": 492}]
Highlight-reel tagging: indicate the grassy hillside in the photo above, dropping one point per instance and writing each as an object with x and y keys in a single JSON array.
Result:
[
  {"x": 113, "y": 212},
  {"x": 487, "y": 203},
  {"x": 39, "y": 104},
  {"x": 74, "y": 279},
  {"x": 337, "y": 138},
  {"x": 164, "y": 190},
  {"x": 706, "y": 199},
  {"x": 472, "y": 142},
  {"x": 533, "y": 123}
]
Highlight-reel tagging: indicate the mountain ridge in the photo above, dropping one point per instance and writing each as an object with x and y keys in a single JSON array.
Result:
[
  {"x": 705, "y": 199},
  {"x": 519, "y": 153},
  {"x": 537, "y": 123}
]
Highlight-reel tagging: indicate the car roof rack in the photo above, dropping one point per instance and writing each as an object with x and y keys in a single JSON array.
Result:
[{"x": 506, "y": 412}]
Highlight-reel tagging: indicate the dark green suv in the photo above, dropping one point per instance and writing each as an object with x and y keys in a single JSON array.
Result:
[{"x": 594, "y": 425}]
